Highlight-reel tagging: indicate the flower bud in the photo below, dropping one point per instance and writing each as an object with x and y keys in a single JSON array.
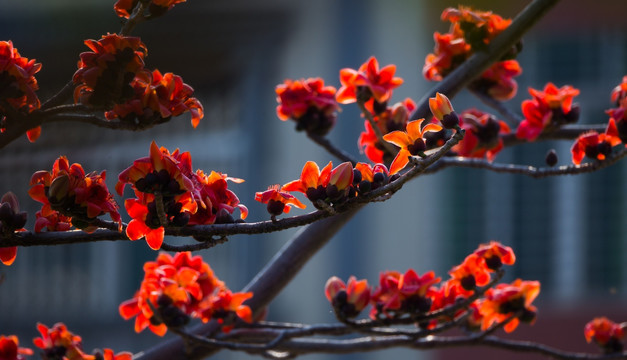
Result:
[{"x": 59, "y": 188}]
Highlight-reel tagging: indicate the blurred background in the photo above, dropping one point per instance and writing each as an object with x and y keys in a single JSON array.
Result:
[{"x": 567, "y": 232}]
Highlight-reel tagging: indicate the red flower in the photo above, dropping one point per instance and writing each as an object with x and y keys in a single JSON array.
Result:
[
  {"x": 17, "y": 85},
  {"x": 506, "y": 300},
  {"x": 471, "y": 273},
  {"x": 606, "y": 333},
  {"x": 594, "y": 145},
  {"x": 366, "y": 82},
  {"x": 54, "y": 221},
  {"x": 59, "y": 339},
  {"x": 411, "y": 142},
  {"x": 11, "y": 220},
  {"x": 74, "y": 194},
  {"x": 450, "y": 51},
  {"x": 329, "y": 185},
  {"x": 390, "y": 119},
  {"x": 496, "y": 255},
  {"x": 482, "y": 137},
  {"x": 179, "y": 287},
  {"x": 224, "y": 305},
  {"x": 217, "y": 202},
  {"x": 278, "y": 201},
  {"x": 9, "y": 349},
  {"x": 156, "y": 99},
  {"x": 347, "y": 300},
  {"x": 108, "y": 354},
  {"x": 549, "y": 108},
  {"x": 124, "y": 8},
  {"x": 477, "y": 27},
  {"x": 104, "y": 75},
  {"x": 403, "y": 293},
  {"x": 308, "y": 102},
  {"x": 498, "y": 81}
]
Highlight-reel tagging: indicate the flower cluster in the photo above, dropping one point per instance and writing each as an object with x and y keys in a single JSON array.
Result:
[
  {"x": 104, "y": 74},
  {"x": 124, "y": 8},
  {"x": 11, "y": 220},
  {"x": 471, "y": 31},
  {"x": 69, "y": 196},
  {"x": 178, "y": 287},
  {"x": 329, "y": 185},
  {"x": 549, "y": 109},
  {"x": 112, "y": 77},
  {"x": 58, "y": 343},
  {"x": 10, "y": 350},
  {"x": 368, "y": 82},
  {"x": 309, "y": 103},
  {"x": 17, "y": 86},
  {"x": 605, "y": 333},
  {"x": 168, "y": 193},
  {"x": 156, "y": 98},
  {"x": 483, "y": 135},
  {"x": 413, "y": 296}
]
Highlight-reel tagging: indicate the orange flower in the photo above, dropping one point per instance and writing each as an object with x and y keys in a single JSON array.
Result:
[
  {"x": 495, "y": 255},
  {"x": 477, "y": 27},
  {"x": 498, "y": 81},
  {"x": 10, "y": 350},
  {"x": 278, "y": 201},
  {"x": 367, "y": 177},
  {"x": 606, "y": 333},
  {"x": 18, "y": 85},
  {"x": 450, "y": 51},
  {"x": 505, "y": 300},
  {"x": 156, "y": 99},
  {"x": 390, "y": 119},
  {"x": 594, "y": 145},
  {"x": 54, "y": 221},
  {"x": 217, "y": 202},
  {"x": 551, "y": 107},
  {"x": 224, "y": 305},
  {"x": 68, "y": 190},
  {"x": 469, "y": 274},
  {"x": 59, "y": 340},
  {"x": 329, "y": 185},
  {"x": 366, "y": 82},
  {"x": 103, "y": 77},
  {"x": 178, "y": 287},
  {"x": 403, "y": 293},
  {"x": 308, "y": 102},
  {"x": 482, "y": 137},
  {"x": 442, "y": 110},
  {"x": 411, "y": 142},
  {"x": 347, "y": 300},
  {"x": 11, "y": 220},
  {"x": 124, "y": 8},
  {"x": 108, "y": 354}
]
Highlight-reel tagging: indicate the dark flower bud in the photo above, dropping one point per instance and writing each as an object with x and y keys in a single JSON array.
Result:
[{"x": 551, "y": 158}]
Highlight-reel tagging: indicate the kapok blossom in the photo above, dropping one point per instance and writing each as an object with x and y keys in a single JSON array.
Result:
[
  {"x": 278, "y": 200},
  {"x": 10, "y": 350},
  {"x": 329, "y": 185},
  {"x": 594, "y": 145},
  {"x": 390, "y": 119},
  {"x": 17, "y": 86},
  {"x": 506, "y": 300},
  {"x": 104, "y": 75},
  {"x": 483, "y": 135},
  {"x": 68, "y": 190},
  {"x": 442, "y": 109},
  {"x": 53, "y": 221},
  {"x": 399, "y": 294},
  {"x": 11, "y": 220},
  {"x": 124, "y": 8},
  {"x": 217, "y": 201},
  {"x": 498, "y": 81},
  {"x": 449, "y": 53},
  {"x": 472, "y": 272},
  {"x": 549, "y": 108},
  {"x": 367, "y": 177},
  {"x": 178, "y": 287},
  {"x": 156, "y": 98},
  {"x": 495, "y": 255},
  {"x": 309, "y": 103},
  {"x": 411, "y": 142},
  {"x": 619, "y": 114},
  {"x": 605, "y": 333},
  {"x": 477, "y": 27},
  {"x": 59, "y": 343},
  {"x": 350, "y": 299},
  {"x": 366, "y": 82}
]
